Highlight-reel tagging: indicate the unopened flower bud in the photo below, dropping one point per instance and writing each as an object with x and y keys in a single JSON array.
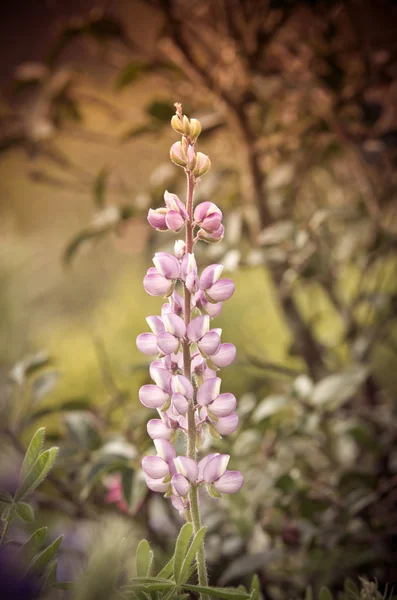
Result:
[
  {"x": 191, "y": 158},
  {"x": 177, "y": 154},
  {"x": 203, "y": 164},
  {"x": 195, "y": 129},
  {"x": 186, "y": 126},
  {"x": 212, "y": 238},
  {"x": 179, "y": 248},
  {"x": 177, "y": 125}
]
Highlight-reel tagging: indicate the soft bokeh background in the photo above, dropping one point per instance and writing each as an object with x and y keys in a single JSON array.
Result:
[{"x": 299, "y": 113}]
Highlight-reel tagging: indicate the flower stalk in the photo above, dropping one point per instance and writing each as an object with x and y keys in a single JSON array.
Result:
[{"x": 186, "y": 389}]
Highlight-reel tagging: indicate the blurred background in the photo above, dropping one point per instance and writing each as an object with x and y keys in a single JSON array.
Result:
[{"x": 298, "y": 104}]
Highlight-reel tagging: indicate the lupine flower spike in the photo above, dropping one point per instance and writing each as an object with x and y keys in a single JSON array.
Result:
[{"x": 187, "y": 351}]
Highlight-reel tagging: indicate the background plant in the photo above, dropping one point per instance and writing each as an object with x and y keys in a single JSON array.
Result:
[{"x": 307, "y": 92}]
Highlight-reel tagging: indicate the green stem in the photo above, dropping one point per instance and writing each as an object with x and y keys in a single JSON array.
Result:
[
  {"x": 5, "y": 529},
  {"x": 191, "y": 443}
]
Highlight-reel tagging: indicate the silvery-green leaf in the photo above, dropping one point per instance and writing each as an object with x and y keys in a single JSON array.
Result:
[
  {"x": 37, "y": 473},
  {"x": 333, "y": 391},
  {"x": 181, "y": 547},
  {"x": 33, "y": 452},
  {"x": 25, "y": 512},
  {"x": 268, "y": 407}
]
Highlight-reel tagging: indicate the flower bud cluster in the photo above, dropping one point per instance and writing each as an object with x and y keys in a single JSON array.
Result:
[{"x": 187, "y": 350}]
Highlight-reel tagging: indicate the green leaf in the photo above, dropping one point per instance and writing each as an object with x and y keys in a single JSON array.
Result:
[
  {"x": 255, "y": 588},
  {"x": 82, "y": 428},
  {"x": 167, "y": 570},
  {"x": 27, "y": 366},
  {"x": 29, "y": 549},
  {"x": 64, "y": 585},
  {"x": 37, "y": 473},
  {"x": 148, "y": 584},
  {"x": 74, "y": 404},
  {"x": 351, "y": 589},
  {"x": 144, "y": 558},
  {"x": 45, "y": 557},
  {"x": 181, "y": 547},
  {"x": 191, "y": 553},
  {"x": 215, "y": 592},
  {"x": 325, "y": 594},
  {"x": 100, "y": 187},
  {"x": 8, "y": 513},
  {"x": 43, "y": 384},
  {"x": 128, "y": 74},
  {"x": 33, "y": 452},
  {"x": 160, "y": 110},
  {"x": 25, "y": 512},
  {"x": 5, "y": 497},
  {"x": 50, "y": 575},
  {"x": 85, "y": 236},
  {"x": 140, "y": 130},
  {"x": 309, "y": 593}
]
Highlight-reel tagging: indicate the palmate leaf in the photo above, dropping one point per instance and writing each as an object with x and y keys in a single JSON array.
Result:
[
  {"x": 167, "y": 570},
  {"x": 325, "y": 594},
  {"x": 215, "y": 592},
  {"x": 144, "y": 558},
  {"x": 33, "y": 452},
  {"x": 190, "y": 555},
  {"x": 148, "y": 584},
  {"x": 29, "y": 549},
  {"x": 5, "y": 497},
  {"x": 45, "y": 557},
  {"x": 37, "y": 473},
  {"x": 25, "y": 512},
  {"x": 181, "y": 546}
]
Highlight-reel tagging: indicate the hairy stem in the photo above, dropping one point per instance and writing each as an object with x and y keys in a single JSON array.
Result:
[{"x": 191, "y": 445}]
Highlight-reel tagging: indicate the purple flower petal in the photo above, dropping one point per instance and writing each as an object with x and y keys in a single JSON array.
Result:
[
  {"x": 182, "y": 385},
  {"x": 188, "y": 265},
  {"x": 165, "y": 449},
  {"x": 166, "y": 264},
  {"x": 208, "y": 216},
  {"x": 223, "y": 405},
  {"x": 225, "y": 355},
  {"x": 203, "y": 463},
  {"x": 174, "y": 221},
  {"x": 156, "y": 219},
  {"x": 208, "y": 391},
  {"x": 180, "y": 403},
  {"x": 155, "y": 467},
  {"x": 180, "y": 485},
  {"x": 160, "y": 375},
  {"x": 156, "y": 285},
  {"x": 156, "y": 429},
  {"x": 147, "y": 344},
  {"x": 178, "y": 503},
  {"x": 215, "y": 467},
  {"x": 210, "y": 343},
  {"x": 174, "y": 324},
  {"x": 230, "y": 483},
  {"x": 156, "y": 485},
  {"x": 167, "y": 343},
  {"x": 172, "y": 202},
  {"x": 155, "y": 323},
  {"x": 227, "y": 425},
  {"x": 210, "y": 275},
  {"x": 220, "y": 291},
  {"x": 187, "y": 467},
  {"x": 152, "y": 396},
  {"x": 198, "y": 327}
]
